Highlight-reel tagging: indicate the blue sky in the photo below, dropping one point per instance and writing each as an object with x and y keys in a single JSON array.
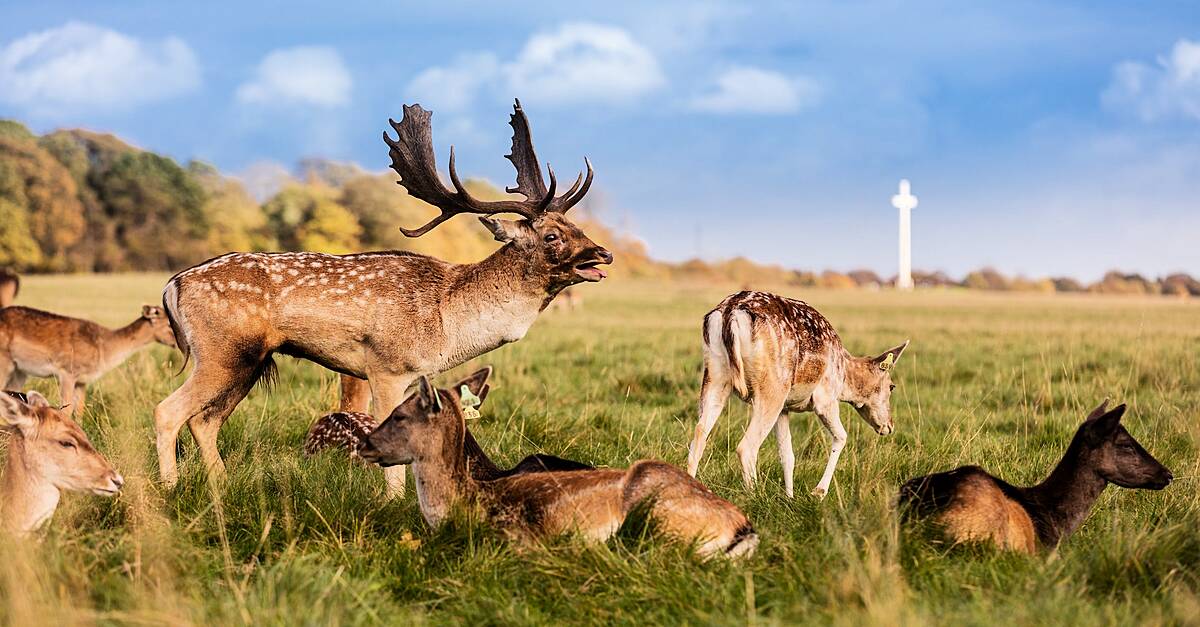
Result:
[{"x": 1041, "y": 138}]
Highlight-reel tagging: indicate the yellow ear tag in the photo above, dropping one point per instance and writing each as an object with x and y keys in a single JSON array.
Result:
[
  {"x": 887, "y": 363},
  {"x": 469, "y": 403}
]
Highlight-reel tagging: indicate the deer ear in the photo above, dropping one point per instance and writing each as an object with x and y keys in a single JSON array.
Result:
[
  {"x": 502, "y": 230},
  {"x": 429, "y": 395},
  {"x": 475, "y": 384},
  {"x": 888, "y": 359},
  {"x": 1102, "y": 428},
  {"x": 17, "y": 413},
  {"x": 1099, "y": 411}
]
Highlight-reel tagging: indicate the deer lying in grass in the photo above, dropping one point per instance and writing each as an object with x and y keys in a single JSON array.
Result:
[
  {"x": 428, "y": 431},
  {"x": 47, "y": 453},
  {"x": 970, "y": 505},
  {"x": 74, "y": 351},
  {"x": 10, "y": 284},
  {"x": 781, "y": 355},
  {"x": 388, "y": 317},
  {"x": 350, "y": 430}
]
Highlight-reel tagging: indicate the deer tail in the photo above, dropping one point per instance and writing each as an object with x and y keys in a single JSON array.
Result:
[
  {"x": 736, "y": 332},
  {"x": 170, "y": 301}
]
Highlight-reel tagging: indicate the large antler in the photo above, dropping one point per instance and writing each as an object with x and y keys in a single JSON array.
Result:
[{"x": 413, "y": 159}]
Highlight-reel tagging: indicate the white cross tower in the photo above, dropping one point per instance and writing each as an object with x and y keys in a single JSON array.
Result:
[{"x": 905, "y": 202}]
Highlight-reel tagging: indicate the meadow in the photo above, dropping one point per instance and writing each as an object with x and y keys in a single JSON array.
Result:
[{"x": 991, "y": 379}]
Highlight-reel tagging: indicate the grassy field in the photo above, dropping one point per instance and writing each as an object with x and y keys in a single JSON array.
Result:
[{"x": 996, "y": 380}]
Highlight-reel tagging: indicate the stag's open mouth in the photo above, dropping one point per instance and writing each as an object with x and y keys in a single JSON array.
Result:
[
  {"x": 591, "y": 271},
  {"x": 105, "y": 491}
]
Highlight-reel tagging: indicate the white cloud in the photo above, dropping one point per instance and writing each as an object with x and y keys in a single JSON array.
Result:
[
  {"x": 576, "y": 63},
  {"x": 455, "y": 86},
  {"x": 304, "y": 75},
  {"x": 79, "y": 65},
  {"x": 1170, "y": 88},
  {"x": 583, "y": 62},
  {"x": 754, "y": 90}
]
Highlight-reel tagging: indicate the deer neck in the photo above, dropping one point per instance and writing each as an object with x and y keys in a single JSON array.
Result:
[
  {"x": 494, "y": 302},
  {"x": 27, "y": 498},
  {"x": 856, "y": 376},
  {"x": 1061, "y": 503},
  {"x": 442, "y": 480},
  {"x": 125, "y": 341}
]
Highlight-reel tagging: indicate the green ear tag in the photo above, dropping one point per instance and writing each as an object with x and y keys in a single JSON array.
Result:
[
  {"x": 887, "y": 363},
  {"x": 469, "y": 403}
]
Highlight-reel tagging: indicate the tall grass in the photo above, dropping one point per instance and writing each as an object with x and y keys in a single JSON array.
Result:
[{"x": 1000, "y": 381}]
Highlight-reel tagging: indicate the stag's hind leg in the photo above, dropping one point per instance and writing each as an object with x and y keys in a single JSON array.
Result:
[
  {"x": 204, "y": 401},
  {"x": 787, "y": 458},
  {"x": 766, "y": 407}
]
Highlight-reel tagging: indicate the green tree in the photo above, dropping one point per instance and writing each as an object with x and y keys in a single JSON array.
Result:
[
  {"x": 306, "y": 217},
  {"x": 31, "y": 178}
]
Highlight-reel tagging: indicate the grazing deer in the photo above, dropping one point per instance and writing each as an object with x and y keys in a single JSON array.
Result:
[
  {"x": 350, "y": 430},
  {"x": 781, "y": 355},
  {"x": 971, "y": 505},
  {"x": 388, "y": 317},
  {"x": 47, "y": 453},
  {"x": 428, "y": 431},
  {"x": 74, "y": 351},
  {"x": 10, "y": 284}
]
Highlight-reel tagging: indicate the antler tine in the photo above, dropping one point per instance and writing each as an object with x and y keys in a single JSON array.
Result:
[
  {"x": 549, "y": 193},
  {"x": 572, "y": 198},
  {"x": 524, "y": 158}
]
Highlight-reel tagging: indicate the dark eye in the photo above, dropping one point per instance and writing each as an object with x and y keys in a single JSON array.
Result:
[
  {"x": 66, "y": 444},
  {"x": 892, "y": 386},
  {"x": 551, "y": 237}
]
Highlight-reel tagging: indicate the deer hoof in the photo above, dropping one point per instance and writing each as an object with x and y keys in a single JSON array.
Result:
[{"x": 819, "y": 492}]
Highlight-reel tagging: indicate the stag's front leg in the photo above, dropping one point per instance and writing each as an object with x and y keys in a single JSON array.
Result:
[
  {"x": 827, "y": 410},
  {"x": 66, "y": 391},
  {"x": 388, "y": 392}
]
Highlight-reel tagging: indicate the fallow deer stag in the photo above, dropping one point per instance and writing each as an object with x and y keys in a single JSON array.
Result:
[
  {"x": 388, "y": 317},
  {"x": 428, "y": 431},
  {"x": 74, "y": 351},
  {"x": 781, "y": 355},
  {"x": 47, "y": 453},
  {"x": 970, "y": 505}
]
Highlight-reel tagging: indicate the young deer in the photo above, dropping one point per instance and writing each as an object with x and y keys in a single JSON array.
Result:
[
  {"x": 10, "y": 284},
  {"x": 781, "y": 355},
  {"x": 47, "y": 453},
  {"x": 388, "y": 317},
  {"x": 428, "y": 431},
  {"x": 349, "y": 430},
  {"x": 971, "y": 505},
  {"x": 74, "y": 351}
]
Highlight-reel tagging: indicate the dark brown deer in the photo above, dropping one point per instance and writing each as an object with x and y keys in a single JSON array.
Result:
[
  {"x": 781, "y": 355},
  {"x": 10, "y": 285},
  {"x": 47, "y": 454},
  {"x": 388, "y": 317},
  {"x": 970, "y": 505},
  {"x": 35, "y": 343},
  {"x": 428, "y": 431},
  {"x": 349, "y": 430}
]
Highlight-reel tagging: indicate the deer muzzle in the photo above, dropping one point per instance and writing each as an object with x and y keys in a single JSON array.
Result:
[{"x": 590, "y": 270}]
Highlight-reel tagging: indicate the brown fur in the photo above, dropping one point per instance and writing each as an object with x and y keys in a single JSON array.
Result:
[
  {"x": 781, "y": 355},
  {"x": 47, "y": 453},
  {"x": 74, "y": 351},
  {"x": 428, "y": 431},
  {"x": 387, "y": 317}
]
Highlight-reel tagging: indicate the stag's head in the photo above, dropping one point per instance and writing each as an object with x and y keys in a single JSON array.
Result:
[
  {"x": 55, "y": 448},
  {"x": 543, "y": 234}
]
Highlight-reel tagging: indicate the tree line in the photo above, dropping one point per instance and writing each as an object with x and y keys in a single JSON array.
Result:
[{"x": 80, "y": 201}]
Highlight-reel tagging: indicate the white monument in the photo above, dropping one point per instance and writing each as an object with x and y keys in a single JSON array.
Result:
[{"x": 905, "y": 202}]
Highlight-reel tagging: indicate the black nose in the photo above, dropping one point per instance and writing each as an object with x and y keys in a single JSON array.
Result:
[{"x": 604, "y": 255}]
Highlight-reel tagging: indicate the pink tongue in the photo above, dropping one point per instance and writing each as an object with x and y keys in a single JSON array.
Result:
[{"x": 602, "y": 273}]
